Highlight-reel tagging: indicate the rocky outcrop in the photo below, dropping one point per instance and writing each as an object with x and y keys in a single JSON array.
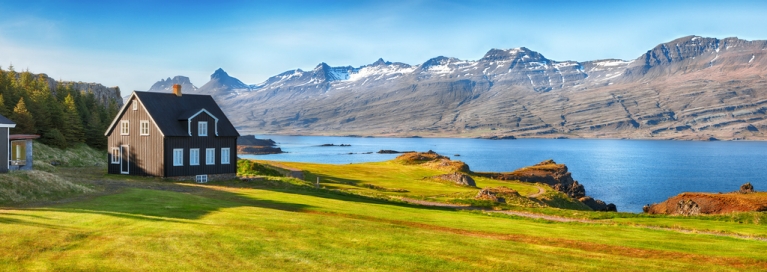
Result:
[
  {"x": 497, "y": 194},
  {"x": 598, "y": 205},
  {"x": 747, "y": 188},
  {"x": 458, "y": 178},
  {"x": 708, "y": 203},
  {"x": 433, "y": 160},
  {"x": 548, "y": 172},
  {"x": 248, "y": 144},
  {"x": 556, "y": 176}
]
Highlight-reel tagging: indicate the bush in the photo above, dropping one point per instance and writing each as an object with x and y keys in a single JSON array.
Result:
[
  {"x": 53, "y": 137},
  {"x": 251, "y": 168}
]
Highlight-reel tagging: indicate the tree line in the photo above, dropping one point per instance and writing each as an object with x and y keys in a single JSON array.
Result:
[{"x": 62, "y": 118}]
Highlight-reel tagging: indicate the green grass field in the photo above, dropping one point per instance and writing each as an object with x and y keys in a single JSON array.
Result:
[{"x": 135, "y": 223}]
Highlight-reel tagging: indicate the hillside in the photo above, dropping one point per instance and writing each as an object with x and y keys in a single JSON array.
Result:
[
  {"x": 276, "y": 223},
  {"x": 689, "y": 88}
]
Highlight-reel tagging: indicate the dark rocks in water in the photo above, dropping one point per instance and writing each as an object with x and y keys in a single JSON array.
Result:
[
  {"x": 387, "y": 151},
  {"x": 458, "y": 178},
  {"x": 323, "y": 145},
  {"x": 248, "y": 144},
  {"x": 747, "y": 188},
  {"x": 712, "y": 138},
  {"x": 457, "y": 155},
  {"x": 507, "y": 137},
  {"x": 598, "y": 205},
  {"x": 251, "y": 140},
  {"x": 646, "y": 208},
  {"x": 497, "y": 194}
]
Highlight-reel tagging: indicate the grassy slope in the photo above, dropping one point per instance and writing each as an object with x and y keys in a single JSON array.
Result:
[
  {"x": 43, "y": 183},
  {"x": 277, "y": 228}
]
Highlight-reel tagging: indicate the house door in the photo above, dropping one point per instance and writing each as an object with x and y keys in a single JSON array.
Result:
[{"x": 124, "y": 161}]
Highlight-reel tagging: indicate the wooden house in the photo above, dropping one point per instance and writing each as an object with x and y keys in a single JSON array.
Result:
[
  {"x": 5, "y": 127},
  {"x": 184, "y": 137}
]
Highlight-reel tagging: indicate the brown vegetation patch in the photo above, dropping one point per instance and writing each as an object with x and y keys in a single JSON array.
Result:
[
  {"x": 708, "y": 203},
  {"x": 497, "y": 194}
]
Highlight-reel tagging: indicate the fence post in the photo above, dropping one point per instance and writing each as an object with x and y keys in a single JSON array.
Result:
[{"x": 318, "y": 182}]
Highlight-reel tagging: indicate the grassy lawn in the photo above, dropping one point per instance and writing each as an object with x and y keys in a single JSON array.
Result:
[{"x": 280, "y": 224}]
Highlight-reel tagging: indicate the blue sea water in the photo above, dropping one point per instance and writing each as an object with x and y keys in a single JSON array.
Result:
[{"x": 629, "y": 173}]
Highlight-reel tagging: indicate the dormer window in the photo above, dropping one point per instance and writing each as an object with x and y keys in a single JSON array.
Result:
[{"x": 202, "y": 128}]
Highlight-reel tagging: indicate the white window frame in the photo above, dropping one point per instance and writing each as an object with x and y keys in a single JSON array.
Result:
[
  {"x": 210, "y": 156},
  {"x": 116, "y": 156},
  {"x": 194, "y": 156},
  {"x": 144, "y": 128},
  {"x": 124, "y": 127},
  {"x": 225, "y": 155},
  {"x": 178, "y": 157},
  {"x": 201, "y": 178},
  {"x": 135, "y": 105},
  {"x": 202, "y": 128}
]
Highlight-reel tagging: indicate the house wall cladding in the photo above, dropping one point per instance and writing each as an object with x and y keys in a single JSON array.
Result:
[
  {"x": 4, "y": 150},
  {"x": 201, "y": 142},
  {"x": 145, "y": 152}
]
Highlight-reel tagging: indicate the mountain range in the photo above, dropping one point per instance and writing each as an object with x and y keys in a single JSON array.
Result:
[{"x": 689, "y": 88}]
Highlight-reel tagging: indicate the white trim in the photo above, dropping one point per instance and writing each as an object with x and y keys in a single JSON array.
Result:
[
  {"x": 181, "y": 155},
  {"x": 127, "y": 128},
  {"x": 200, "y": 125},
  {"x": 189, "y": 121},
  {"x": 7, "y": 125},
  {"x": 141, "y": 128},
  {"x": 225, "y": 157},
  {"x": 191, "y": 156},
  {"x": 127, "y": 162},
  {"x": 210, "y": 153},
  {"x": 8, "y": 143},
  {"x": 119, "y": 155}
]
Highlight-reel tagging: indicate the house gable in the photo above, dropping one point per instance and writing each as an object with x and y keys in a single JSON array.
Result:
[{"x": 132, "y": 100}]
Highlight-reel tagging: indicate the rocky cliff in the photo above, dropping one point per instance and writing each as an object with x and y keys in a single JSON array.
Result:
[{"x": 102, "y": 93}]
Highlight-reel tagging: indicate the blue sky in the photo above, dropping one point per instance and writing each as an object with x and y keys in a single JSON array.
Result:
[{"x": 132, "y": 44}]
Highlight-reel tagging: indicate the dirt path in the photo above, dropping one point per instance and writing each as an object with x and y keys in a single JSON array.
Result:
[{"x": 539, "y": 193}]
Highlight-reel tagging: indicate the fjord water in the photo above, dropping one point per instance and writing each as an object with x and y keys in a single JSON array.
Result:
[{"x": 629, "y": 173}]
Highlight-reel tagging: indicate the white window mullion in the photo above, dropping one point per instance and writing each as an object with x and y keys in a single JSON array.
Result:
[
  {"x": 178, "y": 157},
  {"x": 210, "y": 156},
  {"x": 225, "y": 155}
]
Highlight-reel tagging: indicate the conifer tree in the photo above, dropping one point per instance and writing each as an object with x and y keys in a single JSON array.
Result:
[
  {"x": 3, "y": 109},
  {"x": 73, "y": 130},
  {"x": 24, "y": 122}
]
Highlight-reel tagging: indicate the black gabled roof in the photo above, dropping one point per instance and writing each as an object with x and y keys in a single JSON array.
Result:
[
  {"x": 167, "y": 108},
  {"x": 6, "y": 121}
]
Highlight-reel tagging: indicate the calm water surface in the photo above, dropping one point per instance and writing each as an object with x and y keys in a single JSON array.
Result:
[{"x": 629, "y": 173}]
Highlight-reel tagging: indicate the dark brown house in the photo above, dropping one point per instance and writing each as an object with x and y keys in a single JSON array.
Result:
[{"x": 172, "y": 135}]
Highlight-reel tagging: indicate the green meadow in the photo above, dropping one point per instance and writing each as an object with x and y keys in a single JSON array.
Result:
[{"x": 277, "y": 223}]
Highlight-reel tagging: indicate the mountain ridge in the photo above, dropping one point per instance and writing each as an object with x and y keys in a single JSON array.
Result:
[{"x": 688, "y": 88}]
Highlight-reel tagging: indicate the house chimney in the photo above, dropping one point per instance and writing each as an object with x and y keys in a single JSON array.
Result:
[{"x": 177, "y": 89}]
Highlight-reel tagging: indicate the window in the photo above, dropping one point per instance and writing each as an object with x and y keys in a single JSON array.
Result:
[
  {"x": 115, "y": 155},
  {"x": 194, "y": 156},
  {"x": 202, "y": 128},
  {"x": 225, "y": 155},
  {"x": 124, "y": 127},
  {"x": 210, "y": 156},
  {"x": 135, "y": 105},
  {"x": 201, "y": 178},
  {"x": 178, "y": 157},
  {"x": 144, "y": 127}
]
